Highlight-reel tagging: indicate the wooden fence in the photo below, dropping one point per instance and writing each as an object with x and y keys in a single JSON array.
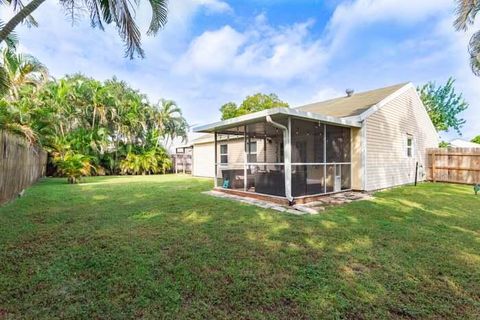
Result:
[
  {"x": 457, "y": 165},
  {"x": 20, "y": 165}
]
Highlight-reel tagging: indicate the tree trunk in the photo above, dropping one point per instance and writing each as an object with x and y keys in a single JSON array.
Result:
[{"x": 18, "y": 18}]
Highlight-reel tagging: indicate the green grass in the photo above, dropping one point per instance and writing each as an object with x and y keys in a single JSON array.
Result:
[{"x": 156, "y": 247}]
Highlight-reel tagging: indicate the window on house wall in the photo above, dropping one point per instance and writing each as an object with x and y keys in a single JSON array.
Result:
[
  {"x": 409, "y": 146},
  {"x": 252, "y": 152},
  {"x": 223, "y": 153}
]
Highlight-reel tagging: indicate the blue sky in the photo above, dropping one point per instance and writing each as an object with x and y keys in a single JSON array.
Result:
[{"x": 215, "y": 51}]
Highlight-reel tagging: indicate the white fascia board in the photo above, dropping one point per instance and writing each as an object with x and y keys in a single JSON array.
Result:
[
  {"x": 250, "y": 118},
  {"x": 386, "y": 100}
]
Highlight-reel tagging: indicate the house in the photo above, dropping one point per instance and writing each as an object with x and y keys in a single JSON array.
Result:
[
  {"x": 361, "y": 141},
  {"x": 458, "y": 143}
]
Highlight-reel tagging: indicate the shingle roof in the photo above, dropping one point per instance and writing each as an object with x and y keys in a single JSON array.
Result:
[{"x": 351, "y": 106}]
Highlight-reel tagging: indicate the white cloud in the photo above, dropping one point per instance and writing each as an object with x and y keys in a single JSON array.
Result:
[
  {"x": 259, "y": 51},
  {"x": 215, "y": 6},
  {"x": 202, "y": 69},
  {"x": 350, "y": 17},
  {"x": 213, "y": 51}
]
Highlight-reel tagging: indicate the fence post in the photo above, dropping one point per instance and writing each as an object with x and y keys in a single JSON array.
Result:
[{"x": 433, "y": 166}]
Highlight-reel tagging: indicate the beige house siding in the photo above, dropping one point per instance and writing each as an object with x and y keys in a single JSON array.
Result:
[
  {"x": 356, "y": 158},
  {"x": 203, "y": 160},
  {"x": 387, "y": 129},
  {"x": 204, "y": 155}
]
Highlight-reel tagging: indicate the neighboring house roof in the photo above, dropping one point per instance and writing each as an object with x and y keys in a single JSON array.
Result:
[
  {"x": 463, "y": 144},
  {"x": 208, "y": 137},
  {"x": 351, "y": 106}
]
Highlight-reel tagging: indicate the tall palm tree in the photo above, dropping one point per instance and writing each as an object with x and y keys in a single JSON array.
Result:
[
  {"x": 466, "y": 13},
  {"x": 21, "y": 69},
  {"x": 169, "y": 120},
  {"x": 118, "y": 12}
]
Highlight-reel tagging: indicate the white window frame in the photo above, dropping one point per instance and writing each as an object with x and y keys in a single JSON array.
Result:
[
  {"x": 252, "y": 153},
  {"x": 223, "y": 154},
  {"x": 409, "y": 148}
]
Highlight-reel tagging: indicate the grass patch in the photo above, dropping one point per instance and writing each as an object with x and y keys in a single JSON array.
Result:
[{"x": 156, "y": 247}]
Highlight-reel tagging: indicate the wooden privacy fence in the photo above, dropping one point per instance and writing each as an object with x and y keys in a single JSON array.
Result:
[
  {"x": 20, "y": 165},
  {"x": 458, "y": 165}
]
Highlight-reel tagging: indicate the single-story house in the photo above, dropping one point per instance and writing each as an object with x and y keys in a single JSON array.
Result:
[
  {"x": 361, "y": 141},
  {"x": 459, "y": 143}
]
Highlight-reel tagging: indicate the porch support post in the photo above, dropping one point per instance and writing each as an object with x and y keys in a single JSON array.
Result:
[
  {"x": 288, "y": 160},
  {"x": 216, "y": 159},
  {"x": 245, "y": 158},
  {"x": 287, "y": 153}
]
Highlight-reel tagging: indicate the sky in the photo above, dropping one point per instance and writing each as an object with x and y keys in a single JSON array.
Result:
[{"x": 216, "y": 51}]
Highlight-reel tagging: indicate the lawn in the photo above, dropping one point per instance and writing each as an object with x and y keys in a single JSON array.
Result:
[{"x": 156, "y": 247}]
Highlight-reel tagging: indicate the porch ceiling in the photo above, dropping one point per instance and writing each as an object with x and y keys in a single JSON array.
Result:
[{"x": 276, "y": 114}]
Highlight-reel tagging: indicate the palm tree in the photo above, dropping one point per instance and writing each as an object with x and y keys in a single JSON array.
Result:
[
  {"x": 169, "y": 121},
  {"x": 466, "y": 13},
  {"x": 21, "y": 69},
  {"x": 118, "y": 12}
]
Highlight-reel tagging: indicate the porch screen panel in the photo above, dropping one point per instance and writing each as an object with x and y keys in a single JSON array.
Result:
[
  {"x": 307, "y": 141},
  {"x": 308, "y": 157},
  {"x": 338, "y": 144},
  {"x": 264, "y": 152},
  {"x": 307, "y": 180},
  {"x": 229, "y": 166}
]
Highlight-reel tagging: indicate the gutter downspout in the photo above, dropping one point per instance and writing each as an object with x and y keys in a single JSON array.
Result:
[{"x": 287, "y": 157}]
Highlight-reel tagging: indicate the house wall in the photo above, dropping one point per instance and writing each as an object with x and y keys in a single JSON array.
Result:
[
  {"x": 203, "y": 160},
  {"x": 387, "y": 163},
  {"x": 204, "y": 155},
  {"x": 357, "y": 160}
]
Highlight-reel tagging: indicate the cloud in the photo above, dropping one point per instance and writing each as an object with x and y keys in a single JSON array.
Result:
[
  {"x": 215, "y": 6},
  {"x": 259, "y": 51},
  {"x": 211, "y": 52},
  {"x": 350, "y": 17}
]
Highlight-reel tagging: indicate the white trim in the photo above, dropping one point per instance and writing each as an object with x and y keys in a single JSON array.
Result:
[
  {"x": 256, "y": 163},
  {"x": 254, "y": 117},
  {"x": 364, "y": 153}
]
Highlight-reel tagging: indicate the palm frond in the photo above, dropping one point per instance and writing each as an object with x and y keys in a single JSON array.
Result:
[
  {"x": 474, "y": 50},
  {"x": 466, "y": 11},
  {"x": 4, "y": 81},
  {"x": 159, "y": 15}
]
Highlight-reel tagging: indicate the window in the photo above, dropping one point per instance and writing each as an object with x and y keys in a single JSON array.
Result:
[
  {"x": 223, "y": 153},
  {"x": 409, "y": 146},
  {"x": 252, "y": 152}
]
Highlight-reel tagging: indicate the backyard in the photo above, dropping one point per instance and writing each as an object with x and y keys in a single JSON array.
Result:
[{"x": 156, "y": 247}]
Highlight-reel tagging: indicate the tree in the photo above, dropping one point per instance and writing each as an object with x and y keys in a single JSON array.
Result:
[
  {"x": 254, "y": 103},
  {"x": 466, "y": 13},
  {"x": 20, "y": 70},
  {"x": 169, "y": 121},
  {"x": 476, "y": 139},
  {"x": 88, "y": 124},
  {"x": 119, "y": 12},
  {"x": 443, "y": 105}
]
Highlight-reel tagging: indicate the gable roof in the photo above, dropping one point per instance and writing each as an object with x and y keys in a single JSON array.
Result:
[
  {"x": 463, "y": 144},
  {"x": 351, "y": 106}
]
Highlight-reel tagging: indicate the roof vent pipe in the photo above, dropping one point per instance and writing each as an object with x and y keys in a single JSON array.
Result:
[{"x": 349, "y": 92}]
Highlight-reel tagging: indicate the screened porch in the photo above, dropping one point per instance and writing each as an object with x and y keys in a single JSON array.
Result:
[{"x": 283, "y": 156}]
